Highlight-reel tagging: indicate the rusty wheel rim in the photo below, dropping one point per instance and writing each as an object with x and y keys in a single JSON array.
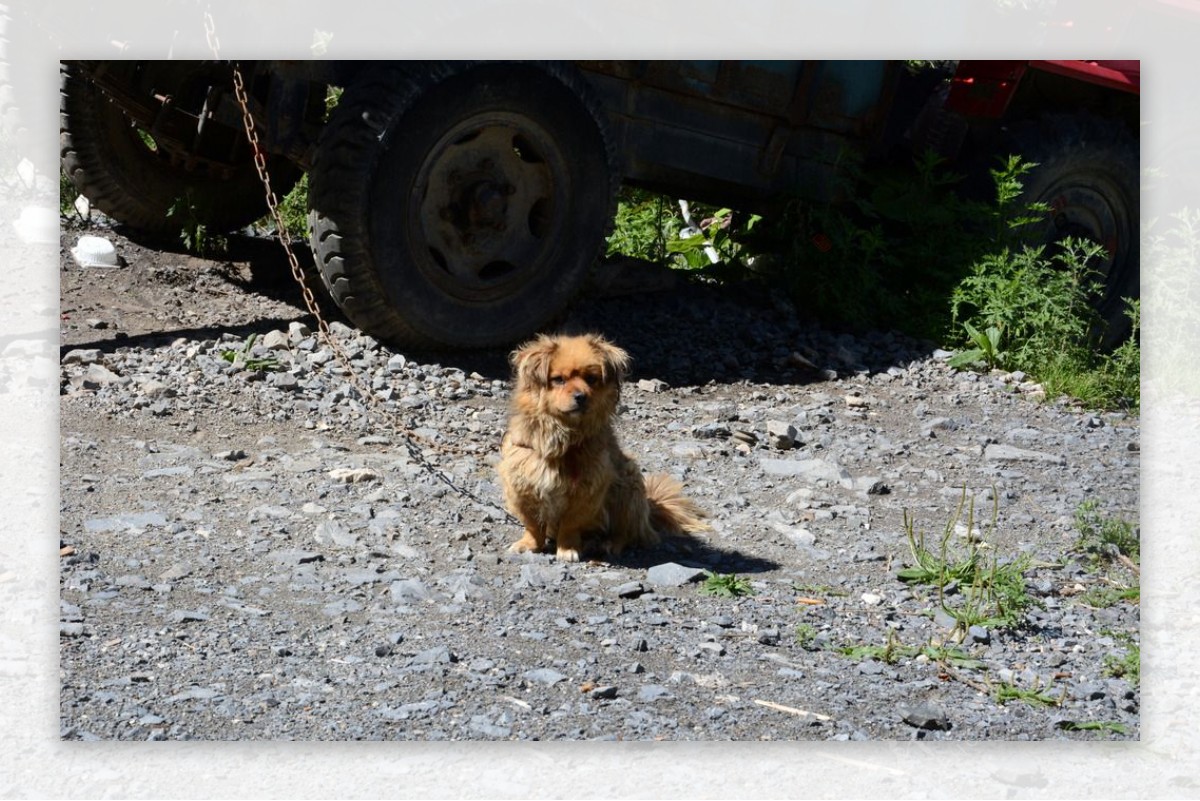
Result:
[{"x": 490, "y": 194}]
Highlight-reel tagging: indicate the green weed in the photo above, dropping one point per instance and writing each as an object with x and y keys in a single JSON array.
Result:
[
  {"x": 194, "y": 235},
  {"x": 67, "y": 195},
  {"x": 1009, "y": 214},
  {"x": 724, "y": 585},
  {"x": 890, "y": 652},
  {"x": 1033, "y": 696},
  {"x": 293, "y": 208},
  {"x": 893, "y": 651},
  {"x": 954, "y": 657},
  {"x": 1093, "y": 725},
  {"x": 806, "y": 636},
  {"x": 986, "y": 592},
  {"x": 986, "y": 353},
  {"x": 1040, "y": 304},
  {"x": 711, "y": 241},
  {"x": 1103, "y": 538},
  {"x": 1104, "y": 597},
  {"x": 252, "y": 363},
  {"x": 714, "y": 242},
  {"x": 1108, "y": 543},
  {"x": 1127, "y": 665},
  {"x": 1041, "y": 307},
  {"x": 643, "y": 224}
]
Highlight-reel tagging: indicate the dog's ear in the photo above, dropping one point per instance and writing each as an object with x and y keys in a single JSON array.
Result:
[
  {"x": 614, "y": 359},
  {"x": 531, "y": 361}
]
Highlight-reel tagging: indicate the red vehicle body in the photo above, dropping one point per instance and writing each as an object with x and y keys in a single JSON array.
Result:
[{"x": 987, "y": 89}]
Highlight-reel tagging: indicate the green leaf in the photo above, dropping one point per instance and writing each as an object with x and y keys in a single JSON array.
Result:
[
  {"x": 917, "y": 574},
  {"x": 966, "y": 358}
]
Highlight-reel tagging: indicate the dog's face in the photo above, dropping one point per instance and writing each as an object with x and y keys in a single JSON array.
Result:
[{"x": 576, "y": 380}]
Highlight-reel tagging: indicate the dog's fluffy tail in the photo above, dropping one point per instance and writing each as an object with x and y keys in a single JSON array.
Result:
[{"x": 671, "y": 512}]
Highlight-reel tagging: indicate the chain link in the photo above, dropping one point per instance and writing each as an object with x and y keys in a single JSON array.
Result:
[
  {"x": 260, "y": 165},
  {"x": 210, "y": 32},
  {"x": 412, "y": 440}
]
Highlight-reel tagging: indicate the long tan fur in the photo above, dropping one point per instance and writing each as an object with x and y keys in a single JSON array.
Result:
[{"x": 563, "y": 471}]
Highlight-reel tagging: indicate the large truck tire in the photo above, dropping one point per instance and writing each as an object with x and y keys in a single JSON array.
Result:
[
  {"x": 139, "y": 182},
  {"x": 1088, "y": 174},
  {"x": 460, "y": 204}
]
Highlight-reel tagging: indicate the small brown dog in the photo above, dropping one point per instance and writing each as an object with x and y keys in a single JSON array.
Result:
[{"x": 563, "y": 471}]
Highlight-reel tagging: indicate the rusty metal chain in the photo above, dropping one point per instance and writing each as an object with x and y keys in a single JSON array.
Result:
[
  {"x": 412, "y": 440},
  {"x": 260, "y": 165},
  {"x": 210, "y": 32}
]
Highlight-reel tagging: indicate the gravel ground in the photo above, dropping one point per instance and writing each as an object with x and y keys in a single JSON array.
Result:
[{"x": 246, "y": 554}]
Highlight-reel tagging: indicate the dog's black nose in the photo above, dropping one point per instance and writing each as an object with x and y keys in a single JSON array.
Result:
[{"x": 581, "y": 399}]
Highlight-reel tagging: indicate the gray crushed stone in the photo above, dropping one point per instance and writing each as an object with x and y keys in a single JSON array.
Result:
[{"x": 248, "y": 555}]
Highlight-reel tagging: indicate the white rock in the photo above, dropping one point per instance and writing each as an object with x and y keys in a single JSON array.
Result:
[
  {"x": 353, "y": 475},
  {"x": 275, "y": 340}
]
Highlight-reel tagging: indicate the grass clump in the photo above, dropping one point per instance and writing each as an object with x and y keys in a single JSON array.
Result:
[
  {"x": 972, "y": 588},
  {"x": 806, "y": 636},
  {"x": 893, "y": 651},
  {"x": 1106, "y": 539},
  {"x": 1034, "y": 696},
  {"x": 1126, "y": 666},
  {"x": 1112, "y": 546},
  {"x": 889, "y": 653},
  {"x": 1104, "y": 597}
]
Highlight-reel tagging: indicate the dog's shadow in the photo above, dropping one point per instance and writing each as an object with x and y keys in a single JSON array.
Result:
[{"x": 693, "y": 552}]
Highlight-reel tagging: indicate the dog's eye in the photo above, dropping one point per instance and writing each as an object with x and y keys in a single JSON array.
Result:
[
  {"x": 557, "y": 380},
  {"x": 592, "y": 379}
]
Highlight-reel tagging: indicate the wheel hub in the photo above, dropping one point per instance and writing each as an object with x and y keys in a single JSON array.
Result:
[
  {"x": 1083, "y": 212},
  {"x": 476, "y": 204},
  {"x": 488, "y": 191}
]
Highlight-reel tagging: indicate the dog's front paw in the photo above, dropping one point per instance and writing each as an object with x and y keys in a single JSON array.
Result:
[
  {"x": 566, "y": 555},
  {"x": 525, "y": 545}
]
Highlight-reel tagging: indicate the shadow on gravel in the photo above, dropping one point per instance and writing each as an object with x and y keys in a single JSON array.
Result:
[
  {"x": 268, "y": 275},
  {"x": 695, "y": 552},
  {"x": 159, "y": 339},
  {"x": 270, "y": 272},
  {"x": 689, "y": 334}
]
